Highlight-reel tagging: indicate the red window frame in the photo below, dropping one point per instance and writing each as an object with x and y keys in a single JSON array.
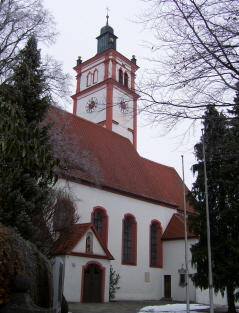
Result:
[
  {"x": 133, "y": 246},
  {"x": 105, "y": 223},
  {"x": 159, "y": 243}
]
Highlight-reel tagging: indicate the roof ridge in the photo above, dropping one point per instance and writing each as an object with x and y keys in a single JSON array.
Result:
[
  {"x": 89, "y": 122},
  {"x": 158, "y": 163}
]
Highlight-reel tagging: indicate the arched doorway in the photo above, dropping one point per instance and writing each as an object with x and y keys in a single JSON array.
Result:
[{"x": 92, "y": 283}]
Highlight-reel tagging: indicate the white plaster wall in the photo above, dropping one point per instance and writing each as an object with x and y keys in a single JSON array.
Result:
[
  {"x": 100, "y": 113},
  {"x": 73, "y": 277},
  {"x": 202, "y": 296},
  {"x": 174, "y": 257},
  {"x": 126, "y": 120},
  {"x": 99, "y": 65},
  {"x": 132, "y": 282}
]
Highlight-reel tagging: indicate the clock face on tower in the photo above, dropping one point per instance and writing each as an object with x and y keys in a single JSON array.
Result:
[
  {"x": 123, "y": 105},
  {"x": 91, "y": 105}
]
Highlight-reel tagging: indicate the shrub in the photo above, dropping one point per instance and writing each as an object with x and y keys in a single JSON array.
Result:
[
  {"x": 18, "y": 255},
  {"x": 114, "y": 280}
]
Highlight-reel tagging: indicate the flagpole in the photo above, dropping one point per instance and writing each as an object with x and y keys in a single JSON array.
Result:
[
  {"x": 186, "y": 240},
  {"x": 208, "y": 231}
]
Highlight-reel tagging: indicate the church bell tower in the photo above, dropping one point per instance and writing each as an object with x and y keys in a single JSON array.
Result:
[{"x": 105, "y": 89}]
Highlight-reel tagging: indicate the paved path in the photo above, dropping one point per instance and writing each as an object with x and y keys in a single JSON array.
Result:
[
  {"x": 114, "y": 306},
  {"x": 122, "y": 307}
]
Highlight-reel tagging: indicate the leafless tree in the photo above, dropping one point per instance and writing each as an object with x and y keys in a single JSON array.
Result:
[
  {"x": 195, "y": 55},
  {"x": 19, "y": 19}
]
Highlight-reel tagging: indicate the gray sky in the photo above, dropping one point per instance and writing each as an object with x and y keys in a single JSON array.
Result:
[{"x": 79, "y": 23}]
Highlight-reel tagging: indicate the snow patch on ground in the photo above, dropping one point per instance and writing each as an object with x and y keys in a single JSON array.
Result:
[{"x": 179, "y": 307}]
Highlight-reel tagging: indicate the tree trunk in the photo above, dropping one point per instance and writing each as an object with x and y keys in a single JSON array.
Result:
[{"x": 230, "y": 299}]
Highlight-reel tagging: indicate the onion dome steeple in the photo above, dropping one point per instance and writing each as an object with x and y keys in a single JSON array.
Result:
[{"x": 106, "y": 39}]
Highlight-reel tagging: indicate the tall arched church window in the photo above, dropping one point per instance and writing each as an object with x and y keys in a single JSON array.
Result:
[
  {"x": 126, "y": 80},
  {"x": 63, "y": 214},
  {"x": 88, "y": 79},
  {"x": 156, "y": 249},
  {"x": 99, "y": 218},
  {"x": 120, "y": 76},
  {"x": 129, "y": 244},
  {"x": 97, "y": 221},
  {"x": 95, "y": 76}
]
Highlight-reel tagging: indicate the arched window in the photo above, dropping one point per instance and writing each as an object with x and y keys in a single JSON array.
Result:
[
  {"x": 99, "y": 218},
  {"x": 156, "y": 257},
  {"x": 63, "y": 214},
  {"x": 97, "y": 221},
  {"x": 88, "y": 79},
  {"x": 120, "y": 76},
  {"x": 95, "y": 76},
  {"x": 126, "y": 80},
  {"x": 129, "y": 244}
]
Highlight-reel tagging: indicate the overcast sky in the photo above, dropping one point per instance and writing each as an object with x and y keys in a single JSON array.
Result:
[{"x": 79, "y": 23}]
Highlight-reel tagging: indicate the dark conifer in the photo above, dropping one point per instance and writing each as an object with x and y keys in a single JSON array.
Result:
[
  {"x": 222, "y": 211},
  {"x": 27, "y": 162}
]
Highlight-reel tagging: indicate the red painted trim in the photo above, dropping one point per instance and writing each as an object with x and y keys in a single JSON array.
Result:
[
  {"x": 114, "y": 54},
  {"x": 114, "y": 122},
  {"x": 106, "y": 62},
  {"x": 114, "y": 67},
  {"x": 159, "y": 244},
  {"x": 78, "y": 82},
  {"x": 105, "y": 83},
  {"x": 103, "y": 272},
  {"x": 109, "y": 105},
  {"x": 90, "y": 255},
  {"x": 74, "y": 106},
  {"x": 105, "y": 223},
  {"x": 135, "y": 114},
  {"x": 133, "y": 222}
]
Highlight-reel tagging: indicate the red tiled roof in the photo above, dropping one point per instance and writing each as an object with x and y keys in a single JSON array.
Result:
[
  {"x": 69, "y": 239},
  {"x": 169, "y": 182},
  {"x": 175, "y": 229},
  {"x": 111, "y": 162}
]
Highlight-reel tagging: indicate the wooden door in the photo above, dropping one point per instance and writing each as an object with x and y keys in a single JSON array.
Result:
[
  {"x": 92, "y": 284},
  {"x": 167, "y": 286}
]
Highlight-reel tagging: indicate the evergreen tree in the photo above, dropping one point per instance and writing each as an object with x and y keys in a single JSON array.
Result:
[
  {"x": 223, "y": 213},
  {"x": 27, "y": 162}
]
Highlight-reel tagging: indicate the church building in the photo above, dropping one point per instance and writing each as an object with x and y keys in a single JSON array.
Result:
[{"x": 130, "y": 208}]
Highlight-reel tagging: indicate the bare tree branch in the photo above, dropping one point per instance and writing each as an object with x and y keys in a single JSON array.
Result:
[
  {"x": 19, "y": 19},
  {"x": 194, "y": 56}
]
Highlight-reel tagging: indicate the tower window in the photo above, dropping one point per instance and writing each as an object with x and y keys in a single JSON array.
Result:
[
  {"x": 120, "y": 76},
  {"x": 88, "y": 79},
  {"x": 95, "y": 76},
  {"x": 126, "y": 79}
]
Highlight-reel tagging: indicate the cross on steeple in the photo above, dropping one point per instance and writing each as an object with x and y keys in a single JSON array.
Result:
[{"x": 107, "y": 16}]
